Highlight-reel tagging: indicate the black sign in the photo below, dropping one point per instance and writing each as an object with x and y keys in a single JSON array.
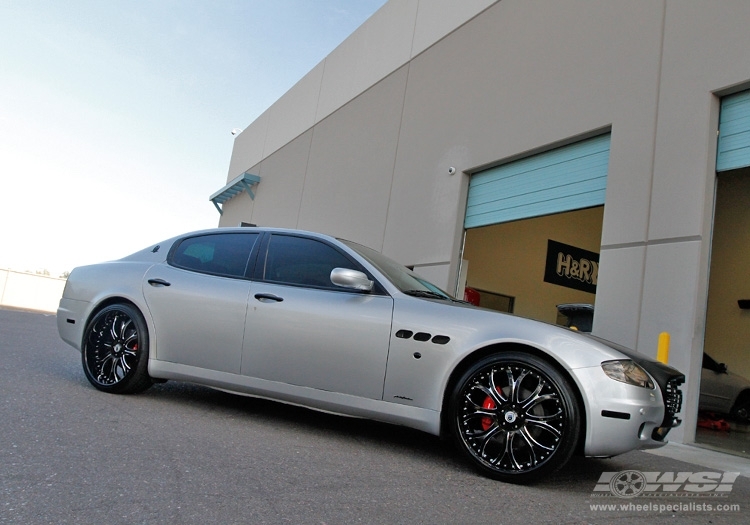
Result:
[{"x": 571, "y": 267}]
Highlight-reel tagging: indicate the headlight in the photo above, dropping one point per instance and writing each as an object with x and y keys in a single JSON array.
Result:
[{"x": 627, "y": 371}]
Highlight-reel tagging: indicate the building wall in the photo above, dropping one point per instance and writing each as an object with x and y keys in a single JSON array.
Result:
[
  {"x": 361, "y": 146},
  {"x": 702, "y": 58},
  {"x": 397, "y": 32}
]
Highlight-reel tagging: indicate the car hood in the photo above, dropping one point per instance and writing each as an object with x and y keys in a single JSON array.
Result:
[{"x": 530, "y": 330}]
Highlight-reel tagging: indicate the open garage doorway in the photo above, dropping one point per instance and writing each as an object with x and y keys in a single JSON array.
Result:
[
  {"x": 533, "y": 232},
  {"x": 725, "y": 377},
  {"x": 529, "y": 267}
]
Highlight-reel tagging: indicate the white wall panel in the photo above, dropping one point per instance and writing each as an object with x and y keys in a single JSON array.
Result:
[
  {"x": 283, "y": 178},
  {"x": 671, "y": 303},
  {"x": 380, "y": 46},
  {"x": 248, "y": 148},
  {"x": 618, "y": 301},
  {"x": 437, "y": 18},
  {"x": 294, "y": 113},
  {"x": 350, "y": 169}
]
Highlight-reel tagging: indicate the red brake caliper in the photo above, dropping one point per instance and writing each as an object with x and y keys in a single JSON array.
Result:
[{"x": 486, "y": 420}]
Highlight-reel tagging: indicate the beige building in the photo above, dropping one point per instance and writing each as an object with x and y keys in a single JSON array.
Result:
[{"x": 479, "y": 140}]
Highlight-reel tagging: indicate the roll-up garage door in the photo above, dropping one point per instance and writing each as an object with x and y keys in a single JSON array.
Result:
[
  {"x": 734, "y": 132},
  {"x": 563, "y": 179}
]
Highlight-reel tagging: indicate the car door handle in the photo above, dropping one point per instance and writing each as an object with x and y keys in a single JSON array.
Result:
[
  {"x": 264, "y": 297},
  {"x": 159, "y": 282}
]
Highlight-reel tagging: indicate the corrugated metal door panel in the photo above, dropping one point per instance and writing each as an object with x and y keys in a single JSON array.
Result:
[
  {"x": 734, "y": 132},
  {"x": 564, "y": 179}
]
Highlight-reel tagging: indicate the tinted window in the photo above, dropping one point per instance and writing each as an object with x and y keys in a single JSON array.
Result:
[
  {"x": 221, "y": 254},
  {"x": 297, "y": 260}
]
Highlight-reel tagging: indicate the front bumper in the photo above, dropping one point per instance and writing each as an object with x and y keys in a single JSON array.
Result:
[{"x": 623, "y": 417}]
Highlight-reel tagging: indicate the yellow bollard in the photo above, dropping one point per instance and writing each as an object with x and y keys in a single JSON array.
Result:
[{"x": 662, "y": 350}]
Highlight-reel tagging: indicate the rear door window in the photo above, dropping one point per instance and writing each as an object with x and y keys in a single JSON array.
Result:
[{"x": 225, "y": 254}]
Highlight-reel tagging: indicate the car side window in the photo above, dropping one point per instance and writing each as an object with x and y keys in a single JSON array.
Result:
[
  {"x": 302, "y": 261},
  {"x": 224, "y": 254}
]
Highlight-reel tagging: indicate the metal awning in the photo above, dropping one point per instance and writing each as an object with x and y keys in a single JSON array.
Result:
[{"x": 242, "y": 183}]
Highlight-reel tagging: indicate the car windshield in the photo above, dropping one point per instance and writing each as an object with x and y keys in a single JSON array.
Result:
[{"x": 402, "y": 277}]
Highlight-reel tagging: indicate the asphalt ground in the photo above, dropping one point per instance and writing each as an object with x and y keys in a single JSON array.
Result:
[{"x": 185, "y": 454}]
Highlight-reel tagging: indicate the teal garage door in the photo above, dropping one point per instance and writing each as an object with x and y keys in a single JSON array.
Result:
[
  {"x": 734, "y": 132},
  {"x": 568, "y": 178}
]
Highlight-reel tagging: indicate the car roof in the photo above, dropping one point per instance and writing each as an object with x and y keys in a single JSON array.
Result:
[{"x": 258, "y": 229}]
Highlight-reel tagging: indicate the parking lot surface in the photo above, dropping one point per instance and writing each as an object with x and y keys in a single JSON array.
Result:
[{"x": 180, "y": 453}]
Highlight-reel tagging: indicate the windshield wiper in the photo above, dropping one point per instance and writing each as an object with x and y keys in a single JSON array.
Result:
[{"x": 426, "y": 293}]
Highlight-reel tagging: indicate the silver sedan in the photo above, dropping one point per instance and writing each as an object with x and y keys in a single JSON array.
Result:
[{"x": 311, "y": 320}]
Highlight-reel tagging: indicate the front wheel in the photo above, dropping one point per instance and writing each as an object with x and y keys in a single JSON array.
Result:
[
  {"x": 115, "y": 350},
  {"x": 515, "y": 417},
  {"x": 741, "y": 409}
]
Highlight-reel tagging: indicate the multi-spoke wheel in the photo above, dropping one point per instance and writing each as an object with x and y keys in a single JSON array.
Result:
[
  {"x": 115, "y": 350},
  {"x": 515, "y": 416}
]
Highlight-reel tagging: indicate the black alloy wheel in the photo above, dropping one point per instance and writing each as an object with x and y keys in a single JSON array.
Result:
[
  {"x": 115, "y": 350},
  {"x": 515, "y": 416}
]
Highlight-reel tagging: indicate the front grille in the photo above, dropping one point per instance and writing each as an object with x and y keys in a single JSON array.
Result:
[
  {"x": 672, "y": 405},
  {"x": 672, "y": 400}
]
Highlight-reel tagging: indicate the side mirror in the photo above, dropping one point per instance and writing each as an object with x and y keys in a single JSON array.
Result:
[{"x": 352, "y": 279}]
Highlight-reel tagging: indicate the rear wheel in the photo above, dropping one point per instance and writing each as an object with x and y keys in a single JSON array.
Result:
[
  {"x": 115, "y": 350},
  {"x": 515, "y": 417}
]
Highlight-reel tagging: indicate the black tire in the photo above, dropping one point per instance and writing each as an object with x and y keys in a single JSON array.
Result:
[
  {"x": 515, "y": 417},
  {"x": 741, "y": 408},
  {"x": 115, "y": 350}
]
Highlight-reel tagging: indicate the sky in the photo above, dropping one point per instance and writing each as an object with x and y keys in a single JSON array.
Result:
[{"x": 116, "y": 115}]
